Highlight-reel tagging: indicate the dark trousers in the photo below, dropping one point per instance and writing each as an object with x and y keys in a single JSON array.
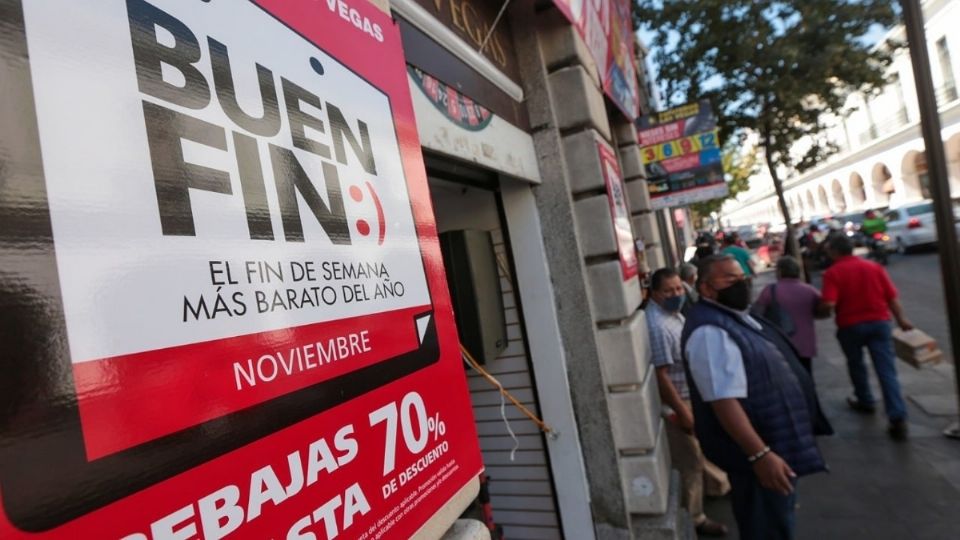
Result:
[
  {"x": 761, "y": 514},
  {"x": 876, "y": 337},
  {"x": 807, "y": 364}
]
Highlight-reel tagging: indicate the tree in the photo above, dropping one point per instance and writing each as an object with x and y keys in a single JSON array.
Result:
[
  {"x": 780, "y": 69},
  {"x": 739, "y": 167}
]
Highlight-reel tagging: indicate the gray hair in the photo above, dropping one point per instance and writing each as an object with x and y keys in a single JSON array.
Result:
[
  {"x": 687, "y": 271},
  {"x": 706, "y": 265}
]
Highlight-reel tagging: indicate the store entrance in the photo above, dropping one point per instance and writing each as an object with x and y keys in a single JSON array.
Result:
[{"x": 521, "y": 487}]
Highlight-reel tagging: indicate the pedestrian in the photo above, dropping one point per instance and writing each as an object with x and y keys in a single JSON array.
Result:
[
  {"x": 706, "y": 246},
  {"x": 741, "y": 254},
  {"x": 863, "y": 297},
  {"x": 665, "y": 325},
  {"x": 754, "y": 406},
  {"x": 688, "y": 276},
  {"x": 792, "y": 305},
  {"x": 715, "y": 482}
]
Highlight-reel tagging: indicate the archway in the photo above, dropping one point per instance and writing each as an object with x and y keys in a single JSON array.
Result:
[
  {"x": 823, "y": 200},
  {"x": 952, "y": 149},
  {"x": 839, "y": 199},
  {"x": 811, "y": 206},
  {"x": 882, "y": 183},
  {"x": 916, "y": 181},
  {"x": 857, "y": 190}
]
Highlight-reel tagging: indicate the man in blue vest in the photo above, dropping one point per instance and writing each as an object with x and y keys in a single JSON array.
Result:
[{"x": 754, "y": 405}]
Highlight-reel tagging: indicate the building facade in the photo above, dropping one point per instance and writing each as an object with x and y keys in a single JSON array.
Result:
[
  {"x": 881, "y": 159},
  {"x": 517, "y": 140}
]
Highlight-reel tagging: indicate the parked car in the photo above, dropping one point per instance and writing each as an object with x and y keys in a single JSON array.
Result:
[{"x": 913, "y": 225}]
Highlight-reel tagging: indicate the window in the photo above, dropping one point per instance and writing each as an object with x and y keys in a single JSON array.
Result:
[
  {"x": 901, "y": 112},
  {"x": 949, "y": 89},
  {"x": 892, "y": 215},
  {"x": 920, "y": 209}
]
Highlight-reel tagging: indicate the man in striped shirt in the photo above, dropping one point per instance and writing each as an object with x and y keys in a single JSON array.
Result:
[{"x": 665, "y": 325}]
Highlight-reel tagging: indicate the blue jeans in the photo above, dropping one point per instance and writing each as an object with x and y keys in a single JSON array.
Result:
[
  {"x": 876, "y": 337},
  {"x": 761, "y": 514}
]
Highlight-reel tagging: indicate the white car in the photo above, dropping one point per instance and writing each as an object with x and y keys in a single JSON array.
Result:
[{"x": 914, "y": 224}]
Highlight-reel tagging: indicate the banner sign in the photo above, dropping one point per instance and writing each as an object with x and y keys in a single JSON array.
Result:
[
  {"x": 619, "y": 211},
  {"x": 220, "y": 262},
  {"x": 606, "y": 27},
  {"x": 680, "y": 149}
]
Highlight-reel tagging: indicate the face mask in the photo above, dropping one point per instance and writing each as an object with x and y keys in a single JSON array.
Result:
[
  {"x": 673, "y": 303},
  {"x": 736, "y": 296}
]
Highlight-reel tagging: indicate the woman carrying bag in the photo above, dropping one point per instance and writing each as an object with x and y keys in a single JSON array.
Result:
[{"x": 791, "y": 304}]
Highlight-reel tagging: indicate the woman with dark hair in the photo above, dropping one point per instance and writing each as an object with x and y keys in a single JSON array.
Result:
[{"x": 792, "y": 305}]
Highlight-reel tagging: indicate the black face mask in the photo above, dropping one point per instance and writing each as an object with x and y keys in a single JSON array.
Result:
[{"x": 736, "y": 296}]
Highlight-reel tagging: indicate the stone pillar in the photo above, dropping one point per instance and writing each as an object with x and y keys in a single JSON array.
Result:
[
  {"x": 635, "y": 176},
  {"x": 604, "y": 333},
  {"x": 645, "y": 457}
]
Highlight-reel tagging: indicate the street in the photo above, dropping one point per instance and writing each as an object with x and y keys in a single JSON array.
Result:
[{"x": 879, "y": 489}]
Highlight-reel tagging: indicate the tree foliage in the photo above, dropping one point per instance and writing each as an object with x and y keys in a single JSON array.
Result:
[{"x": 777, "y": 68}]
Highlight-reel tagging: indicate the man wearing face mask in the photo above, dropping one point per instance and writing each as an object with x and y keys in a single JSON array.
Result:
[
  {"x": 755, "y": 408},
  {"x": 665, "y": 325}
]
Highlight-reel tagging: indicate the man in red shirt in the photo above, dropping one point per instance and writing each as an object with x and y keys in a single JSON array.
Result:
[{"x": 863, "y": 297}]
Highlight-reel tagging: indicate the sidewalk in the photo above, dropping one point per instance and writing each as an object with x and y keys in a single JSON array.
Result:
[{"x": 878, "y": 489}]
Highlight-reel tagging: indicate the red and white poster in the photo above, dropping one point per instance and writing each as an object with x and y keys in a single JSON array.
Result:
[
  {"x": 606, "y": 27},
  {"x": 619, "y": 211},
  {"x": 223, "y": 264}
]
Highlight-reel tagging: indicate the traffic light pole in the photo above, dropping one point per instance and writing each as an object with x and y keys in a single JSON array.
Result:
[{"x": 939, "y": 182}]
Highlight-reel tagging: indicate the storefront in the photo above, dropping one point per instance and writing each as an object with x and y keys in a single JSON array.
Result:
[{"x": 547, "y": 197}]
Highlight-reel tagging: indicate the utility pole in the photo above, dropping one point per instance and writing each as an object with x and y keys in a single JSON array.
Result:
[{"x": 939, "y": 182}]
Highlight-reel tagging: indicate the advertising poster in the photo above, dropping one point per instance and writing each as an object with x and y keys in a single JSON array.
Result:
[
  {"x": 619, "y": 211},
  {"x": 223, "y": 304},
  {"x": 607, "y": 29},
  {"x": 680, "y": 149}
]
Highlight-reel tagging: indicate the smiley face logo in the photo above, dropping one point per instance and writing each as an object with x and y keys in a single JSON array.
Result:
[{"x": 362, "y": 226}]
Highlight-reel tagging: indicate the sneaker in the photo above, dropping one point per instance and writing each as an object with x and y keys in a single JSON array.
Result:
[
  {"x": 713, "y": 528},
  {"x": 861, "y": 407},
  {"x": 898, "y": 430}
]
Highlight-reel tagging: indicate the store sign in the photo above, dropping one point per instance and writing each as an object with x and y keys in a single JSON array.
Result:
[
  {"x": 680, "y": 149},
  {"x": 619, "y": 211},
  {"x": 476, "y": 22},
  {"x": 456, "y": 107},
  {"x": 606, "y": 27},
  {"x": 234, "y": 313}
]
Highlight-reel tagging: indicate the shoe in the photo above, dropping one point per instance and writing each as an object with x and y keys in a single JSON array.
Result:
[
  {"x": 898, "y": 430},
  {"x": 713, "y": 528},
  {"x": 861, "y": 407}
]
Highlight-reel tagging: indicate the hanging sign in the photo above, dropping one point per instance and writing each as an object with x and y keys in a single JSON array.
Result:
[
  {"x": 680, "y": 149},
  {"x": 606, "y": 27},
  {"x": 219, "y": 256},
  {"x": 619, "y": 211}
]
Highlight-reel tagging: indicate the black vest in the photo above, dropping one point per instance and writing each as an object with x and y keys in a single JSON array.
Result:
[{"x": 781, "y": 401}]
